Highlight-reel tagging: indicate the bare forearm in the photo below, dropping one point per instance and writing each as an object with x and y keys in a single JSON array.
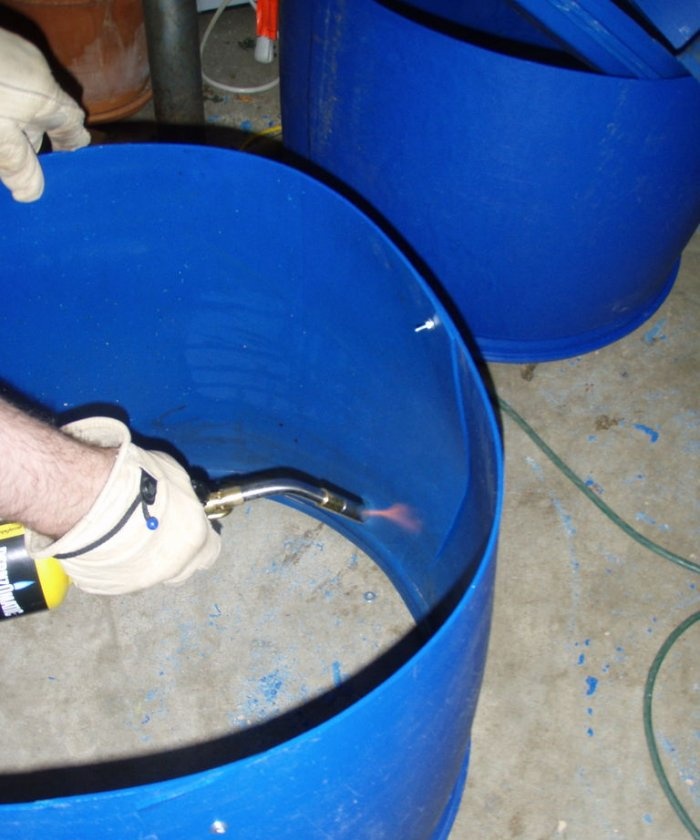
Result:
[{"x": 48, "y": 480}]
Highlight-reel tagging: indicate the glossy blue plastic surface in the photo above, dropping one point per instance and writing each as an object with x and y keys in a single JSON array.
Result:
[
  {"x": 550, "y": 205},
  {"x": 605, "y": 37},
  {"x": 679, "y": 24},
  {"x": 501, "y": 19},
  {"x": 678, "y": 21},
  {"x": 254, "y": 319}
]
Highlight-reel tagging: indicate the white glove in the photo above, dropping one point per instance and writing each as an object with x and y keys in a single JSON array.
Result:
[
  {"x": 147, "y": 525},
  {"x": 31, "y": 104}
]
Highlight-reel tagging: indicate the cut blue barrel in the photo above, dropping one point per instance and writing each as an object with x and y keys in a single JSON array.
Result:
[
  {"x": 549, "y": 204},
  {"x": 605, "y": 38},
  {"x": 254, "y": 319}
]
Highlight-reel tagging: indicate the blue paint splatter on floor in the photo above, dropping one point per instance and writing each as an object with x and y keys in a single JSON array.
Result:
[
  {"x": 592, "y": 686},
  {"x": 566, "y": 519},
  {"x": 652, "y": 433},
  {"x": 535, "y": 467},
  {"x": 641, "y": 516},
  {"x": 594, "y": 486},
  {"x": 270, "y": 685},
  {"x": 656, "y": 333}
]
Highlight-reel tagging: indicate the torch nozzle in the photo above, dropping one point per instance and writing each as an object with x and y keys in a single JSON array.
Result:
[{"x": 221, "y": 501}]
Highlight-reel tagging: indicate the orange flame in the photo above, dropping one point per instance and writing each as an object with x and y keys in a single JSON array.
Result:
[{"x": 400, "y": 514}]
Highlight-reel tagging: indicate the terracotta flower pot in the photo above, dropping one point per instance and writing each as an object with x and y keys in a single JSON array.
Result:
[{"x": 102, "y": 45}]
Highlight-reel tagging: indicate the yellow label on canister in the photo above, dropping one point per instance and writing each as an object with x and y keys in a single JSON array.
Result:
[{"x": 10, "y": 529}]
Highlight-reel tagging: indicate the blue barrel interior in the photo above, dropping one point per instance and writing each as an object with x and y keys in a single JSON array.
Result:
[
  {"x": 550, "y": 205},
  {"x": 252, "y": 318}
]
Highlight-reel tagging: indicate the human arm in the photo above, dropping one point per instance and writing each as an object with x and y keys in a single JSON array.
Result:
[
  {"x": 133, "y": 518},
  {"x": 48, "y": 480}
]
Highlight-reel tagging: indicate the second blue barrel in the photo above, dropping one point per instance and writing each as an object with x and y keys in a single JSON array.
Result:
[{"x": 549, "y": 204}]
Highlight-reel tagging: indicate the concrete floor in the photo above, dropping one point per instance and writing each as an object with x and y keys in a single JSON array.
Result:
[
  {"x": 581, "y": 609},
  {"x": 296, "y": 607}
]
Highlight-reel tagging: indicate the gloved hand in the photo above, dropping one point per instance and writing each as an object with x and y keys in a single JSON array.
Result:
[
  {"x": 31, "y": 104},
  {"x": 147, "y": 525}
]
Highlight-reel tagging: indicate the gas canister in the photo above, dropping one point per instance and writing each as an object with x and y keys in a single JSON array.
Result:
[{"x": 27, "y": 585}]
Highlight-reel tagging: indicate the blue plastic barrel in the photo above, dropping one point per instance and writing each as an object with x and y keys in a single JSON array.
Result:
[
  {"x": 550, "y": 205},
  {"x": 254, "y": 319}
]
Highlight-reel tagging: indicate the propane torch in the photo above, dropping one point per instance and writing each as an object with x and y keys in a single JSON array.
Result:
[
  {"x": 28, "y": 585},
  {"x": 220, "y": 502}
]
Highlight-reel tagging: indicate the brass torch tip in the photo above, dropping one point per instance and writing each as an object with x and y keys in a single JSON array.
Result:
[
  {"x": 343, "y": 505},
  {"x": 222, "y": 501}
]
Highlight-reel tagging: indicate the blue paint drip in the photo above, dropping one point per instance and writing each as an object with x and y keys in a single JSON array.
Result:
[
  {"x": 535, "y": 467},
  {"x": 337, "y": 674},
  {"x": 592, "y": 686},
  {"x": 656, "y": 333},
  {"x": 652, "y": 433},
  {"x": 594, "y": 486},
  {"x": 566, "y": 519},
  {"x": 270, "y": 685},
  {"x": 641, "y": 516},
  {"x": 668, "y": 745},
  {"x": 582, "y": 658}
]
